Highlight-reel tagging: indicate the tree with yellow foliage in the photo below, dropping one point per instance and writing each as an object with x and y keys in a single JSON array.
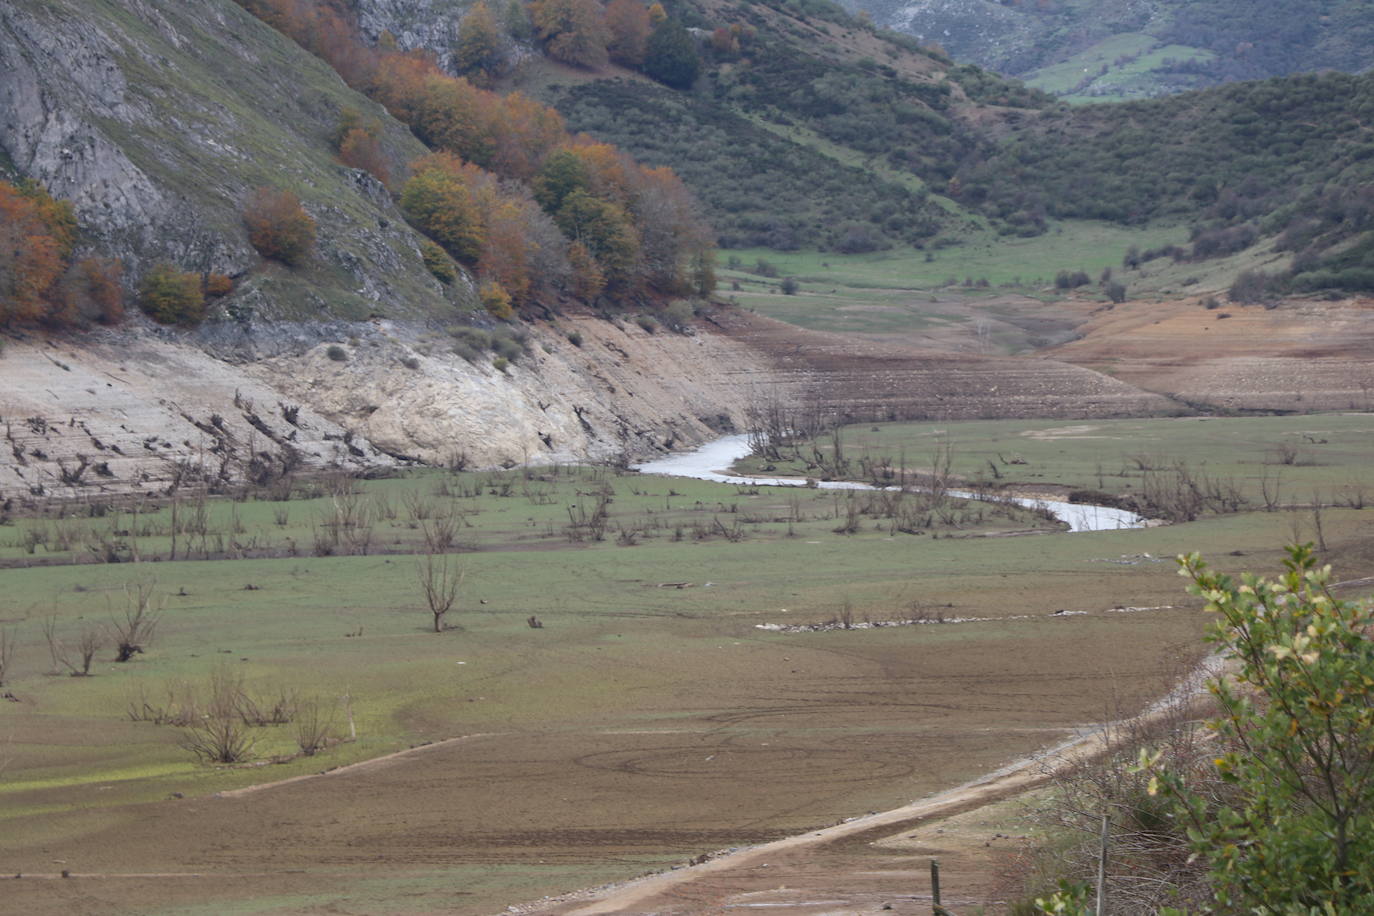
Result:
[{"x": 572, "y": 31}]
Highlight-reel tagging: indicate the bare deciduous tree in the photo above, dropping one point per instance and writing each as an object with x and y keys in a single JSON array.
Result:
[
  {"x": 133, "y": 630},
  {"x": 77, "y": 660},
  {"x": 439, "y": 579}
]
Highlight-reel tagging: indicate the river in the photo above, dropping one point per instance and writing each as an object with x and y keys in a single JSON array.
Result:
[{"x": 712, "y": 461}]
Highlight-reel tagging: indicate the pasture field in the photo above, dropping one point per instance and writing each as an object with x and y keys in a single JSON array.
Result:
[
  {"x": 1118, "y": 67},
  {"x": 936, "y": 297},
  {"x": 647, "y": 721},
  {"x": 1029, "y": 262},
  {"x": 1296, "y": 460}
]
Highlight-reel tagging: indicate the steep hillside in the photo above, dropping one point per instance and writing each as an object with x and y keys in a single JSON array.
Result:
[
  {"x": 804, "y": 127},
  {"x": 1137, "y": 48},
  {"x": 157, "y": 121},
  {"x": 1287, "y": 160}
]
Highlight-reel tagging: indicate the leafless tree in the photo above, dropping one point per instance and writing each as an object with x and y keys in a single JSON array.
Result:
[
  {"x": 1318, "y": 506},
  {"x": 76, "y": 659},
  {"x": 439, "y": 578},
  {"x": 440, "y": 533},
  {"x": 134, "y": 628},
  {"x": 1271, "y": 488}
]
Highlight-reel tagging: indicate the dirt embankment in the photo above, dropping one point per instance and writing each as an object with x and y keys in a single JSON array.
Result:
[
  {"x": 1303, "y": 355},
  {"x": 870, "y": 379},
  {"x": 138, "y": 411}
]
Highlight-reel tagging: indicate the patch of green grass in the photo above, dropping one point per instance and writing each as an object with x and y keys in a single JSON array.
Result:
[
  {"x": 1295, "y": 459},
  {"x": 1031, "y": 262},
  {"x": 1062, "y": 78},
  {"x": 904, "y": 290}
]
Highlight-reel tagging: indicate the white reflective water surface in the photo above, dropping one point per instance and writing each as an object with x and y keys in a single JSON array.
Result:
[{"x": 712, "y": 462}]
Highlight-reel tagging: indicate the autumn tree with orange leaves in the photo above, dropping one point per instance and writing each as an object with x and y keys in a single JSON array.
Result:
[
  {"x": 278, "y": 226},
  {"x": 572, "y": 31},
  {"x": 508, "y": 192},
  {"x": 628, "y": 28}
]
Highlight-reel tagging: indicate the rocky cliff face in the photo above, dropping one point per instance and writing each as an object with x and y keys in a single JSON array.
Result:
[
  {"x": 428, "y": 24},
  {"x": 157, "y": 119},
  {"x": 136, "y": 412}
]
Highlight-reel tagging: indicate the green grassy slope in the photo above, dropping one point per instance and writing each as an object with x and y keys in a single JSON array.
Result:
[
  {"x": 821, "y": 133},
  {"x": 1291, "y": 157},
  {"x": 1113, "y": 50}
]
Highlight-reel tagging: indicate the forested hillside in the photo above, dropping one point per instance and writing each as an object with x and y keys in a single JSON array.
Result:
[
  {"x": 1290, "y": 158},
  {"x": 797, "y": 125},
  {"x": 1135, "y": 48}
]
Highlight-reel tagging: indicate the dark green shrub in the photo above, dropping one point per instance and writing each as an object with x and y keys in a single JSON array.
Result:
[
  {"x": 678, "y": 316},
  {"x": 437, "y": 262},
  {"x": 171, "y": 296}
]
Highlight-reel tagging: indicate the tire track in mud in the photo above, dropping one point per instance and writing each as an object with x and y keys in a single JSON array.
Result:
[{"x": 722, "y": 875}]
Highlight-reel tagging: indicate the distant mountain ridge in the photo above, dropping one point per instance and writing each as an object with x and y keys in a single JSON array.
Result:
[{"x": 1139, "y": 48}]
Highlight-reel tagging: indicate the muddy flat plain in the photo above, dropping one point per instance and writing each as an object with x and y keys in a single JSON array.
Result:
[{"x": 647, "y": 722}]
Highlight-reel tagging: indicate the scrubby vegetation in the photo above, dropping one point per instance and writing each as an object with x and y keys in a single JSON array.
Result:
[
  {"x": 1266, "y": 806},
  {"x": 759, "y": 189},
  {"x": 508, "y": 191},
  {"x": 1285, "y": 158},
  {"x": 172, "y": 296}
]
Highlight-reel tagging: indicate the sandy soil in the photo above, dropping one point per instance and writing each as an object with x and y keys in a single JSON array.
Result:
[{"x": 1304, "y": 355}]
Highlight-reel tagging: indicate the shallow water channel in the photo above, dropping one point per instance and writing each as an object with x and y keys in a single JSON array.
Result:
[{"x": 713, "y": 460}]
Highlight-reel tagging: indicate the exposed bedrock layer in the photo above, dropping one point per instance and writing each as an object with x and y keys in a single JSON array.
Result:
[{"x": 140, "y": 411}]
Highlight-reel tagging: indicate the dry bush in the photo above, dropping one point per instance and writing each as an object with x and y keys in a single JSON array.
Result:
[
  {"x": 276, "y": 707},
  {"x": 218, "y": 740},
  {"x": 179, "y": 707},
  {"x": 219, "y": 734},
  {"x": 1150, "y": 860},
  {"x": 440, "y": 534},
  {"x": 134, "y": 628},
  {"x": 314, "y": 727}
]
